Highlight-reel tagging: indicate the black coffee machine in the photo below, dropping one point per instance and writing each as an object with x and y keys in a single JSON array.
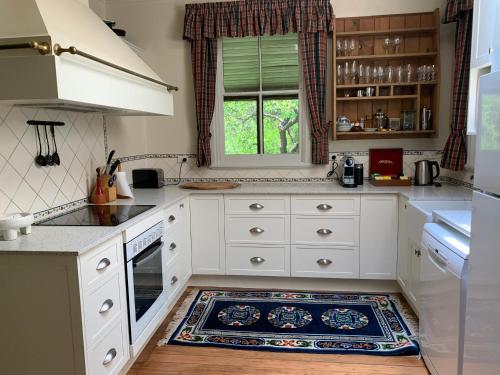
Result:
[{"x": 346, "y": 173}]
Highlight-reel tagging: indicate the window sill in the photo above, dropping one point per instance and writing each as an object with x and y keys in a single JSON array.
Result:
[{"x": 262, "y": 166}]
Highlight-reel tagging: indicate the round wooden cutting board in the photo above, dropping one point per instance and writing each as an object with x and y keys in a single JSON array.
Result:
[{"x": 209, "y": 185}]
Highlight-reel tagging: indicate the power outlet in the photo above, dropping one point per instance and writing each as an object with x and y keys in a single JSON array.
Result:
[{"x": 181, "y": 159}]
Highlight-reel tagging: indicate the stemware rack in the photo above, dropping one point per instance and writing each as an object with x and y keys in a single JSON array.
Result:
[{"x": 419, "y": 45}]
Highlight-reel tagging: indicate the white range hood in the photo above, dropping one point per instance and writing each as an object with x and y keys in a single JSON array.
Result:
[{"x": 59, "y": 54}]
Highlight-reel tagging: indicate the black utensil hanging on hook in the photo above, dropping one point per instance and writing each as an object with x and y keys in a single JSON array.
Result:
[
  {"x": 40, "y": 159},
  {"x": 55, "y": 155},
  {"x": 48, "y": 157}
]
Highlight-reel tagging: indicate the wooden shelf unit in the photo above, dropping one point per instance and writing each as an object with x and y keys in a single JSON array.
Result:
[{"x": 419, "y": 33}]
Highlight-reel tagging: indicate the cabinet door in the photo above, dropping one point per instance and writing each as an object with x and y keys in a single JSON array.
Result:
[
  {"x": 403, "y": 245},
  {"x": 483, "y": 31},
  {"x": 378, "y": 237},
  {"x": 207, "y": 234},
  {"x": 185, "y": 235},
  {"x": 414, "y": 280}
]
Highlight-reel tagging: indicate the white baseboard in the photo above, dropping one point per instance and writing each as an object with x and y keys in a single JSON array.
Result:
[{"x": 261, "y": 282}]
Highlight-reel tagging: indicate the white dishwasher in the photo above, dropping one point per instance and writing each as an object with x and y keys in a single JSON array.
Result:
[{"x": 443, "y": 275}]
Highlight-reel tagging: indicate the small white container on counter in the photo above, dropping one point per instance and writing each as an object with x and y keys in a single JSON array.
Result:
[{"x": 12, "y": 223}]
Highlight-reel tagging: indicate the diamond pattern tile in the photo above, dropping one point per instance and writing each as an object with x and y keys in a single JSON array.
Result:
[{"x": 24, "y": 186}]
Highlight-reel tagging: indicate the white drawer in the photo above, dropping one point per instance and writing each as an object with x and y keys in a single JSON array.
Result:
[
  {"x": 102, "y": 307},
  {"x": 102, "y": 262},
  {"x": 110, "y": 355},
  {"x": 257, "y": 205},
  {"x": 334, "y": 231},
  {"x": 271, "y": 230},
  {"x": 343, "y": 205},
  {"x": 308, "y": 261},
  {"x": 258, "y": 260},
  {"x": 172, "y": 218},
  {"x": 173, "y": 247},
  {"x": 173, "y": 278}
]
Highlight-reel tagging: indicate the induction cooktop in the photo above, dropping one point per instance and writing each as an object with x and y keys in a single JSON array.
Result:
[{"x": 97, "y": 216}]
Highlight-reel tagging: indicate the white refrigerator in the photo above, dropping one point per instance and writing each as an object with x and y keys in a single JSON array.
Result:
[{"x": 482, "y": 325}]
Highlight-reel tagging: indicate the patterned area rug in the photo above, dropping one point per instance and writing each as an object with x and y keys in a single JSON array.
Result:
[{"x": 311, "y": 322}]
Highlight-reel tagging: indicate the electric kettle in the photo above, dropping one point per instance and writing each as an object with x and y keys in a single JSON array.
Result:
[{"x": 424, "y": 172}]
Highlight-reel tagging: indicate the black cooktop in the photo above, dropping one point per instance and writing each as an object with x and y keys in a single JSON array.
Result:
[{"x": 97, "y": 216}]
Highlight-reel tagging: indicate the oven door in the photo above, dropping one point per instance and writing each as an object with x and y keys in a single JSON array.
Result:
[{"x": 146, "y": 292}]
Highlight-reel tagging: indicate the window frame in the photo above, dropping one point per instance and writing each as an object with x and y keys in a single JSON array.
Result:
[{"x": 221, "y": 160}]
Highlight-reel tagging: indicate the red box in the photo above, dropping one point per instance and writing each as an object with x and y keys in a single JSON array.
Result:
[{"x": 386, "y": 161}]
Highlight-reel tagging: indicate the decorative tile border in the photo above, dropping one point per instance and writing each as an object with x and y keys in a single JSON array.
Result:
[{"x": 60, "y": 210}]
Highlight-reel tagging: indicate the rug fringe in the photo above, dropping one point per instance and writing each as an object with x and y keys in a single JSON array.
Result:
[{"x": 180, "y": 314}]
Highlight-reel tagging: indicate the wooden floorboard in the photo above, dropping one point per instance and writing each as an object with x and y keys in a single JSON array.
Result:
[{"x": 176, "y": 359}]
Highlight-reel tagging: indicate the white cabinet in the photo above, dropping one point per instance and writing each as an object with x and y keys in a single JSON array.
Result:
[
  {"x": 207, "y": 234},
  {"x": 483, "y": 32},
  {"x": 378, "y": 238},
  {"x": 69, "y": 315},
  {"x": 178, "y": 239},
  {"x": 482, "y": 50},
  {"x": 325, "y": 236},
  {"x": 403, "y": 268},
  {"x": 257, "y": 231}
]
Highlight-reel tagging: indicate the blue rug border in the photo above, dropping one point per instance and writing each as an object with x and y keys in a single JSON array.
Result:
[{"x": 402, "y": 352}]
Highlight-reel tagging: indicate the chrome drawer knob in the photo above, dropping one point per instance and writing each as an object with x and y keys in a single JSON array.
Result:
[
  {"x": 257, "y": 260},
  {"x": 110, "y": 355},
  {"x": 106, "y": 306},
  {"x": 256, "y": 230},
  {"x": 256, "y": 206},
  {"x": 174, "y": 280},
  {"x": 324, "y": 262},
  {"x": 324, "y": 232},
  {"x": 173, "y": 246},
  {"x": 171, "y": 218},
  {"x": 324, "y": 207},
  {"x": 103, "y": 264}
]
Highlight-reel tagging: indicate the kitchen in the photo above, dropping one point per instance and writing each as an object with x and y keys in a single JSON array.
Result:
[{"x": 170, "y": 192}]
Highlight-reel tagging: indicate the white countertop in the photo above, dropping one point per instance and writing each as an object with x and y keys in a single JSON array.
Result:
[
  {"x": 78, "y": 240},
  {"x": 457, "y": 219}
]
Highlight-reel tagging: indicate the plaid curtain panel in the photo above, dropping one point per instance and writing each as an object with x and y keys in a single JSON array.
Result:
[
  {"x": 205, "y": 23},
  {"x": 455, "y": 150},
  {"x": 204, "y": 60},
  {"x": 314, "y": 60}
]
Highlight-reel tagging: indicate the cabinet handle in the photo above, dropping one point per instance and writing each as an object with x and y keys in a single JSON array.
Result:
[
  {"x": 324, "y": 207},
  {"x": 174, "y": 280},
  {"x": 256, "y": 206},
  {"x": 324, "y": 262},
  {"x": 490, "y": 51},
  {"x": 418, "y": 252},
  {"x": 172, "y": 246},
  {"x": 181, "y": 205},
  {"x": 171, "y": 218},
  {"x": 110, "y": 355},
  {"x": 257, "y": 260},
  {"x": 103, "y": 264},
  {"x": 324, "y": 232},
  {"x": 257, "y": 230},
  {"x": 106, "y": 306}
]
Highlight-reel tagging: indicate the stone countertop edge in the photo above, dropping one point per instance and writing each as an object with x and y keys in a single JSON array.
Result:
[{"x": 78, "y": 240}]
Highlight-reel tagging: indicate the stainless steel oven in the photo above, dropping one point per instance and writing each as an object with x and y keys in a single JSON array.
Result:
[{"x": 145, "y": 289}]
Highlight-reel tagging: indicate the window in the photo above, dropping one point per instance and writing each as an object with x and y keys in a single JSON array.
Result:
[{"x": 259, "y": 117}]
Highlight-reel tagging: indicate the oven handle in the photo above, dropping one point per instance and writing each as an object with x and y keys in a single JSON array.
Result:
[
  {"x": 439, "y": 261},
  {"x": 153, "y": 251}
]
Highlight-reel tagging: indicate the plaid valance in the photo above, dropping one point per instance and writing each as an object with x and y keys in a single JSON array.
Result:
[
  {"x": 256, "y": 17},
  {"x": 454, "y": 8}
]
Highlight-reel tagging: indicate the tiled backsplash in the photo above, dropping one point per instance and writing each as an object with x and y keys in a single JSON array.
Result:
[
  {"x": 24, "y": 186},
  {"x": 190, "y": 172}
]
